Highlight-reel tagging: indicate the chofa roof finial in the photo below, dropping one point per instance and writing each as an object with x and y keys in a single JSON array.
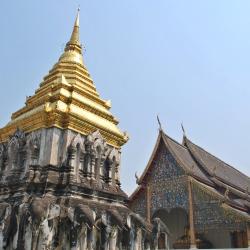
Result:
[
  {"x": 183, "y": 129},
  {"x": 159, "y": 122},
  {"x": 137, "y": 178}
]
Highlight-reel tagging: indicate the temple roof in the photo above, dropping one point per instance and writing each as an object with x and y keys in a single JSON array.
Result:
[
  {"x": 184, "y": 158},
  {"x": 67, "y": 98},
  {"x": 217, "y": 168},
  {"x": 206, "y": 169}
]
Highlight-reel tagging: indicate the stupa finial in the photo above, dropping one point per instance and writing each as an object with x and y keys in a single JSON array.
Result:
[
  {"x": 73, "y": 49},
  {"x": 75, "y": 36}
]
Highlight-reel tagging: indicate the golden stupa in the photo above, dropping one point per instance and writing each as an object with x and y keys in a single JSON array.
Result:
[{"x": 67, "y": 99}]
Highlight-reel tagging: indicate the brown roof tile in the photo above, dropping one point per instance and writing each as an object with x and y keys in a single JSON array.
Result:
[
  {"x": 218, "y": 168},
  {"x": 185, "y": 159}
]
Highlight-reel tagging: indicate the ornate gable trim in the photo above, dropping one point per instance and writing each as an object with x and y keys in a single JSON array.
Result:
[{"x": 148, "y": 167}]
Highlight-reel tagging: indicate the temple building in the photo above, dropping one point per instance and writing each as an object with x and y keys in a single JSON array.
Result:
[
  {"x": 204, "y": 202},
  {"x": 60, "y": 169}
]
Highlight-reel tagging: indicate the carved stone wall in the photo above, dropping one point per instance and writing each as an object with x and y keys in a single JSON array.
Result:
[
  {"x": 17, "y": 154},
  {"x": 42, "y": 223},
  {"x": 89, "y": 156},
  {"x": 61, "y": 190}
]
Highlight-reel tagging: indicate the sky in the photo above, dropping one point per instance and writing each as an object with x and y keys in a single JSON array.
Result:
[{"x": 185, "y": 60}]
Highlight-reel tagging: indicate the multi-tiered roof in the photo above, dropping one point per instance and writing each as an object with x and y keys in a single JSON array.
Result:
[{"x": 209, "y": 172}]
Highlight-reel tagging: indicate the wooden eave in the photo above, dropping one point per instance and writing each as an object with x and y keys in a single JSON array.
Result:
[
  {"x": 229, "y": 202},
  {"x": 212, "y": 176},
  {"x": 147, "y": 169}
]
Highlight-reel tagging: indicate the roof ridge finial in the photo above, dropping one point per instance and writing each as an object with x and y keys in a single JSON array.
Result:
[
  {"x": 159, "y": 122},
  {"x": 137, "y": 178},
  {"x": 183, "y": 130}
]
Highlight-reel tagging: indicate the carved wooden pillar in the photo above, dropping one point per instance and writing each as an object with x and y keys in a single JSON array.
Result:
[
  {"x": 191, "y": 215},
  {"x": 148, "y": 202}
]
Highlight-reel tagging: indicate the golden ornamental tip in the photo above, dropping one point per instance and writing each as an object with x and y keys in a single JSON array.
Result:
[
  {"x": 73, "y": 49},
  {"x": 77, "y": 21},
  {"x": 75, "y": 38}
]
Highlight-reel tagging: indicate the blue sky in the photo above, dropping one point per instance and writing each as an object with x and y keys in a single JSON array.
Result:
[{"x": 188, "y": 61}]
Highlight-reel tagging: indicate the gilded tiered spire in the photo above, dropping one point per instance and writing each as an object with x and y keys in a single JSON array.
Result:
[
  {"x": 75, "y": 37},
  {"x": 67, "y": 98},
  {"x": 73, "y": 49}
]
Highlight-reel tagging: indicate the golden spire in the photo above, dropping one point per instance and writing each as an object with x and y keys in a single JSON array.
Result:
[
  {"x": 67, "y": 98},
  {"x": 73, "y": 49},
  {"x": 75, "y": 37}
]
